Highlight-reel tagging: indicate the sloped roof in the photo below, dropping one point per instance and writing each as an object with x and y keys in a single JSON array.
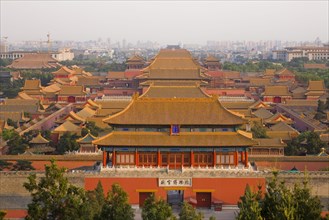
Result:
[
  {"x": 107, "y": 111},
  {"x": 262, "y": 113},
  {"x": 113, "y": 104},
  {"x": 299, "y": 89},
  {"x": 21, "y": 102},
  {"x": 186, "y": 139},
  {"x": 173, "y": 64},
  {"x": 73, "y": 117},
  {"x": 236, "y": 105},
  {"x": 32, "y": 84},
  {"x": 284, "y": 135},
  {"x": 135, "y": 58},
  {"x": 181, "y": 111},
  {"x": 269, "y": 72},
  {"x": 168, "y": 53},
  {"x": 269, "y": 142},
  {"x": 72, "y": 90},
  {"x": 53, "y": 88},
  {"x": 23, "y": 95},
  {"x": 86, "y": 112},
  {"x": 315, "y": 93},
  {"x": 67, "y": 126},
  {"x": 173, "y": 68},
  {"x": 260, "y": 81},
  {"x": 175, "y": 82},
  {"x": 277, "y": 91},
  {"x": 35, "y": 61},
  {"x": 174, "y": 91},
  {"x": 317, "y": 85},
  {"x": 88, "y": 138},
  {"x": 116, "y": 75},
  {"x": 15, "y": 116},
  {"x": 285, "y": 71},
  {"x": 211, "y": 58},
  {"x": 88, "y": 80},
  {"x": 282, "y": 126},
  {"x": 39, "y": 140},
  {"x": 24, "y": 108},
  {"x": 226, "y": 92},
  {"x": 91, "y": 103},
  {"x": 61, "y": 81},
  {"x": 98, "y": 122},
  {"x": 278, "y": 117},
  {"x": 259, "y": 104},
  {"x": 302, "y": 102},
  {"x": 63, "y": 71},
  {"x": 226, "y": 74}
]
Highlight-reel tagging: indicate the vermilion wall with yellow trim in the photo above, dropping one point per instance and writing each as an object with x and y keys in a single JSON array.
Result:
[{"x": 227, "y": 190}]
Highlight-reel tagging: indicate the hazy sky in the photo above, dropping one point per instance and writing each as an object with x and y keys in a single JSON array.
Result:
[{"x": 165, "y": 21}]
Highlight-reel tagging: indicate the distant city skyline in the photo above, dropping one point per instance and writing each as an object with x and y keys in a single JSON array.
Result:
[{"x": 188, "y": 22}]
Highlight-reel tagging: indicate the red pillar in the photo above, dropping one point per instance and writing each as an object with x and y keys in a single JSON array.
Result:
[
  {"x": 136, "y": 158},
  {"x": 192, "y": 158},
  {"x": 246, "y": 159},
  {"x": 214, "y": 158},
  {"x": 104, "y": 158},
  {"x": 113, "y": 158},
  {"x": 241, "y": 155},
  {"x": 236, "y": 158},
  {"x": 159, "y": 158}
]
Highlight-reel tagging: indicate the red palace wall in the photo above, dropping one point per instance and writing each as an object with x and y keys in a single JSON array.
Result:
[
  {"x": 227, "y": 190},
  {"x": 300, "y": 165}
]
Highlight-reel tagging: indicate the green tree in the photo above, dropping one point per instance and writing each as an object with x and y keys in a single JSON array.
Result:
[
  {"x": 28, "y": 136},
  {"x": 45, "y": 77},
  {"x": 5, "y": 62},
  {"x": 306, "y": 205},
  {"x": 188, "y": 212},
  {"x": 16, "y": 144},
  {"x": 250, "y": 207},
  {"x": 5, "y": 165},
  {"x": 327, "y": 104},
  {"x": 53, "y": 197},
  {"x": 92, "y": 128},
  {"x": 307, "y": 142},
  {"x": 67, "y": 142},
  {"x": 320, "y": 111},
  {"x": 156, "y": 209},
  {"x": 278, "y": 201},
  {"x": 12, "y": 123},
  {"x": 258, "y": 131},
  {"x": 2, "y": 215},
  {"x": 116, "y": 206},
  {"x": 8, "y": 134},
  {"x": 23, "y": 165},
  {"x": 96, "y": 199}
]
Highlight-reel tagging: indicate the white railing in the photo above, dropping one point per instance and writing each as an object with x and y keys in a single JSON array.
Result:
[{"x": 228, "y": 168}]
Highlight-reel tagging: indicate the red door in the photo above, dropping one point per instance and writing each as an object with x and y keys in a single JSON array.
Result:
[
  {"x": 203, "y": 199},
  {"x": 142, "y": 197},
  {"x": 175, "y": 161},
  {"x": 277, "y": 99},
  {"x": 71, "y": 99}
]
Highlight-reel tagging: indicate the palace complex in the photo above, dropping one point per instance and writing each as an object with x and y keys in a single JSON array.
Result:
[
  {"x": 179, "y": 135},
  {"x": 171, "y": 126}
]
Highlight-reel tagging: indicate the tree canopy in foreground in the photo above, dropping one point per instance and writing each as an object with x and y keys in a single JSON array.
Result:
[{"x": 279, "y": 202}]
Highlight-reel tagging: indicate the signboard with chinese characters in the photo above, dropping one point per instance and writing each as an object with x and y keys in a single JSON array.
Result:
[{"x": 165, "y": 182}]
